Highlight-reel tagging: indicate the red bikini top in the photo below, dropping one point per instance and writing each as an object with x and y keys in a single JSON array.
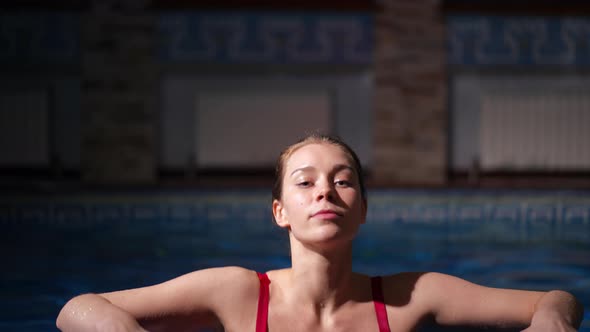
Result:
[{"x": 263, "y": 299}]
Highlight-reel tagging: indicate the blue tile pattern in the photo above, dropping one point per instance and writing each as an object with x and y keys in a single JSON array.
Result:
[
  {"x": 497, "y": 40},
  {"x": 266, "y": 37},
  {"x": 45, "y": 38},
  {"x": 39, "y": 38}
]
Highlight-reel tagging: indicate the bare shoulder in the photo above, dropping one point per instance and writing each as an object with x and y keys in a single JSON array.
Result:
[
  {"x": 225, "y": 277},
  {"x": 423, "y": 281},
  {"x": 403, "y": 288},
  {"x": 234, "y": 280},
  {"x": 227, "y": 286},
  {"x": 421, "y": 289},
  {"x": 208, "y": 290},
  {"x": 217, "y": 279},
  {"x": 220, "y": 286},
  {"x": 411, "y": 280}
]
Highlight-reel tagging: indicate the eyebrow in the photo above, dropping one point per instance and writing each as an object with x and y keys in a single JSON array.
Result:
[{"x": 336, "y": 169}]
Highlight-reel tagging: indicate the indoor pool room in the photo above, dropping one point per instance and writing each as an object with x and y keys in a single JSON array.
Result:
[{"x": 141, "y": 140}]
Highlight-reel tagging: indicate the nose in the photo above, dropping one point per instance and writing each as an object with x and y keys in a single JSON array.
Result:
[{"x": 325, "y": 190}]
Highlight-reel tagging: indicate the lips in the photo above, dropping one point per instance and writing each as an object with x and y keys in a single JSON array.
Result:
[{"x": 327, "y": 214}]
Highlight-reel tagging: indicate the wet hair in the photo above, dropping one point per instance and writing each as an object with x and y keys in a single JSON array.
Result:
[{"x": 277, "y": 189}]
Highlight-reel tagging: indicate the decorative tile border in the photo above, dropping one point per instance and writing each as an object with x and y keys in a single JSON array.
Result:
[
  {"x": 203, "y": 37},
  {"x": 513, "y": 213},
  {"x": 39, "y": 38},
  {"x": 250, "y": 37},
  {"x": 44, "y": 38},
  {"x": 497, "y": 40},
  {"x": 554, "y": 215}
]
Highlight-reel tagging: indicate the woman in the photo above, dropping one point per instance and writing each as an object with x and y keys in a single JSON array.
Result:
[{"x": 319, "y": 197}]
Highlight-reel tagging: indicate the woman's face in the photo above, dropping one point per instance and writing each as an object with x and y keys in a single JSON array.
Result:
[{"x": 321, "y": 199}]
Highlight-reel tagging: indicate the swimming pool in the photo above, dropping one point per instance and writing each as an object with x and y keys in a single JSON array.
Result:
[{"x": 55, "y": 246}]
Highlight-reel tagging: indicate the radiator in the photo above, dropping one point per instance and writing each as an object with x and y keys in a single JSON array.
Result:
[{"x": 535, "y": 131}]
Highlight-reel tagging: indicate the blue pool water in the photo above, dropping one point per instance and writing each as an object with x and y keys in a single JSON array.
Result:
[{"x": 58, "y": 246}]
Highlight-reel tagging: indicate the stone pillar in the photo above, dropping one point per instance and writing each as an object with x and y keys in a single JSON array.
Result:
[
  {"x": 119, "y": 89},
  {"x": 410, "y": 102}
]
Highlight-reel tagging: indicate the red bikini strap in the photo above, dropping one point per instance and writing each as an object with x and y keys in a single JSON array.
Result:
[
  {"x": 379, "y": 305},
  {"x": 263, "y": 298}
]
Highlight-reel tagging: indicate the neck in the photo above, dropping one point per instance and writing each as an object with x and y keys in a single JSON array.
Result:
[{"x": 321, "y": 278}]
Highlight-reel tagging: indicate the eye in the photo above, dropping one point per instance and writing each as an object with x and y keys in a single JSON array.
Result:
[
  {"x": 343, "y": 183},
  {"x": 304, "y": 184}
]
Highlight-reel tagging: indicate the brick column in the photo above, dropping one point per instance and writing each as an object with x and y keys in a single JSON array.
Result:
[
  {"x": 119, "y": 89},
  {"x": 410, "y": 122}
]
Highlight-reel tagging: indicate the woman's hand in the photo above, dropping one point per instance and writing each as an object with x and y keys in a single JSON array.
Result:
[
  {"x": 556, "y": 311},
  {"x": 117, "y": 320},
  {"x": 91, "y": 312},
  {"x": 550, "y": 322}
]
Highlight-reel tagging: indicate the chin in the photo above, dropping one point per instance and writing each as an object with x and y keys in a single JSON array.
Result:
[{"x": 333, "y": 236}]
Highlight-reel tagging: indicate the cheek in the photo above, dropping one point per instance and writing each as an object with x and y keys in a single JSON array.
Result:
[
  {"x": 293, "y": 201},
  {"x": 298, "y": 200},
  {"x": 350, "y": 195}
]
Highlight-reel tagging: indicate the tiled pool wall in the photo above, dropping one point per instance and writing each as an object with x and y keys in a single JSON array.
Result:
[{"x": 501, "y": 215}]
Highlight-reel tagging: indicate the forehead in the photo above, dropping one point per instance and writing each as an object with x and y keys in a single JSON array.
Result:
[{"x": 318, "y": 153}]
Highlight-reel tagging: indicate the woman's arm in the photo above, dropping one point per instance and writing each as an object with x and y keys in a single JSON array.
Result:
[
  {"x": 197, "y": 299},
  {"x": 454, "y": 301}
]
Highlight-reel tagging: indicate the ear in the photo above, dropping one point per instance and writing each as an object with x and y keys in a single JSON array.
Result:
[{"x": 280, "y": 214}]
